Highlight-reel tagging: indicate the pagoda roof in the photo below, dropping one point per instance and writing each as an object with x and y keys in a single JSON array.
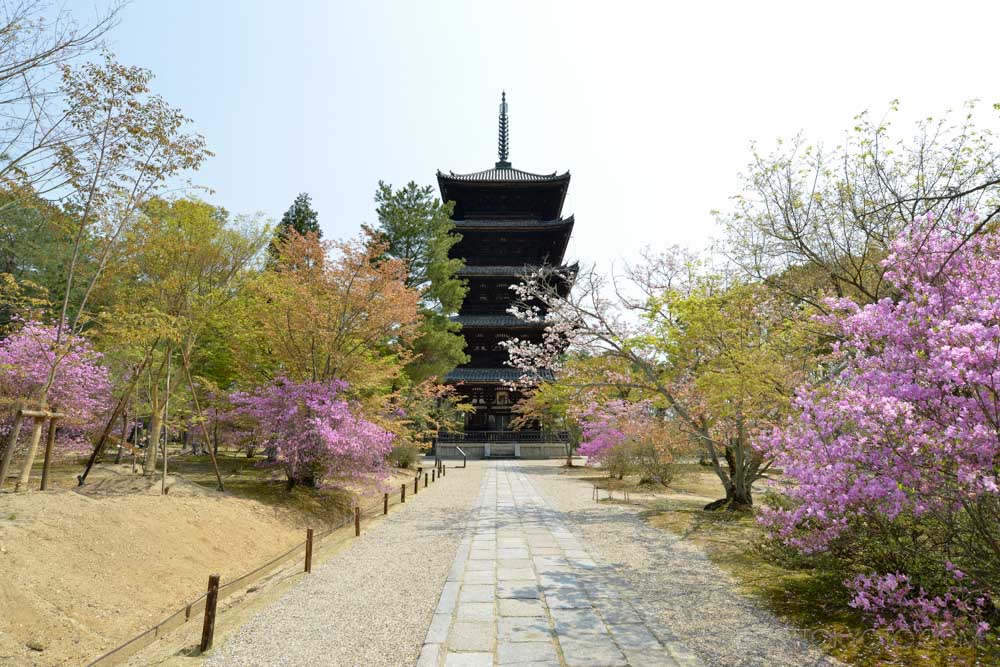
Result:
[
  {"x": 492, "y": 375},
  {"x": 530, "y": 225},
  {"x": 492, "y": 321},
  {"x": 515, "y": 271},
  {"x": 503, "y": 175}
]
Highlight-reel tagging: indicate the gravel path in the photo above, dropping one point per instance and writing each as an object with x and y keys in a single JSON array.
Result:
[
  {"x": 674, "y": 581},
  {"x": 372, "y": 603}
]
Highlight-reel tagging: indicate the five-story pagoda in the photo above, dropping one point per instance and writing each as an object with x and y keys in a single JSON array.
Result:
[{"x": 511, "y": 223}]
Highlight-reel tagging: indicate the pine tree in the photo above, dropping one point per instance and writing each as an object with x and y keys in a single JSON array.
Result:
[
  {"x": 301, "y": 217},
  {"x": 418, "y": 229}
]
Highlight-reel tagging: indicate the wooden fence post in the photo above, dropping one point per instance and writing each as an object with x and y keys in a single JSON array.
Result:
[
  {"x": 385, "y": 504},
  {"x": 357, "y": 521},
  {"x": 416, "y": 485},
  {"x": 433, "y": 471},
  {"x": 309, "y": 549},
  {"x": 50, "y": 442},
  {"x": 402, "y": 493},
  {"x": 11, "y": 442},
  {"x": 211, "y": 600},
  {"x": 444, "y": 469},
  {"x": 425, "y": 480}
]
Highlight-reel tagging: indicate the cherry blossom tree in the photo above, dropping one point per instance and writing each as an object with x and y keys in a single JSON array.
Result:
[
  {"x": 904, "y": 443},
  {"x": 719, "y": 357}
]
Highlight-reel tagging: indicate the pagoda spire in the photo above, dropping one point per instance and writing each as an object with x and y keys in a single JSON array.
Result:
[{"x": 503, "y": 144}]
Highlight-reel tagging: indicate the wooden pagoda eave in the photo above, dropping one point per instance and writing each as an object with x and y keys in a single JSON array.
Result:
[
  {"x": 450, "y": 186},
  {"x": 515, "y": 225}
]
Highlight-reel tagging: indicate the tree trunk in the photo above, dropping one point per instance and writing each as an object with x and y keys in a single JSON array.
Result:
[
  {"x": 36, "y": 435},
  {"x": 739, "y": 495},
  {"x": 121, "y": 445},
  {"x": 153, "y": 446}
]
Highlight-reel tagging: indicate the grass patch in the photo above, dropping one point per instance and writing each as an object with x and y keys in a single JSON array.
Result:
[
  {"x": 809, "y": 599},
  {"x": 326, "y": 505}
]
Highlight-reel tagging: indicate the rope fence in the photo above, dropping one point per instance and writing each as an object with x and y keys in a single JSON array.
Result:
[{"x": 194, "y": 608}]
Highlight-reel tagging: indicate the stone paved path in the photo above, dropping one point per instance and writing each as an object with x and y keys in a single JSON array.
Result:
[{"x": 524, "y": 591}]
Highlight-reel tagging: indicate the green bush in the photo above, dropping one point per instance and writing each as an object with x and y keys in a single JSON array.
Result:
[{"x": 404, "y": 456}]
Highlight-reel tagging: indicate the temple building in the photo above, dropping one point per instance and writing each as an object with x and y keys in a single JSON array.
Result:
[{"x": 511, "y": 223}]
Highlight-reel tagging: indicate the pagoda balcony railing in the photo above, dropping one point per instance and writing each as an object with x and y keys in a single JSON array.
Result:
[{"x": 503, "y": 436}]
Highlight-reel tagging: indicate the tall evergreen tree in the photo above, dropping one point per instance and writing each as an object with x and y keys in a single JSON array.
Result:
[
  {"x": 301, "y": 217},
  {"x": 418, "y": 229}
]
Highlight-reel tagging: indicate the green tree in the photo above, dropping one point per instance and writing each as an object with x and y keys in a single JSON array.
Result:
[
  {"x": 417, "y": 228},
  {"x": 300, "y": 217},
  {"x": 174, "y": 291},
  {"x": 814, "y": 221}
]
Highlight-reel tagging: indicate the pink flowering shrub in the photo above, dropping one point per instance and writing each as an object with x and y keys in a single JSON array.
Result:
[
  {"x": 893, "y": 602},
  {"x": 600, "y": 431},
  {"x": 81, "y": 387},
  {"x": 316, "y": 436},
  {"x": 625, "y": 437},
  {"x": 902, "y": 448}
]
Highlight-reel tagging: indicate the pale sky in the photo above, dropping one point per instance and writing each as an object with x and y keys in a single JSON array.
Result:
[{"x": 651, "y": 106}]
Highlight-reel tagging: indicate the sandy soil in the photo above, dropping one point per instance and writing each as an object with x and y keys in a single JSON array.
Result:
[{"x": 79, "y": 573}]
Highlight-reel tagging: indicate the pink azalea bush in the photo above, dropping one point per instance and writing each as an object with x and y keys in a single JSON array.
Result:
[
  {"x": 894, "y": 602},
  {"x": 625, "y": 437},
  {"x": 316, "y": 435},
  {"x": 81, "y": 387},
  {"x": 601, "y": 432},
  {"x": 903, "y": 447}
]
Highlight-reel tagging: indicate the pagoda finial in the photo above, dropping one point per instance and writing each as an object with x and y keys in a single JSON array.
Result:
[{"x": 503, "y": 148}]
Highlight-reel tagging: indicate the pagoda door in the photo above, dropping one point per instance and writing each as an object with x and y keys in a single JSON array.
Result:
[{"x": 503, "y": 422}]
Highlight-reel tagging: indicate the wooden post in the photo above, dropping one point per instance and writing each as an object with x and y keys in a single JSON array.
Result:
[
  {"x": 385, "y": 504},
  {"x": 50, "y": 442},
  {"x": 8, "y": 453},
  {"x": 402, "y": 493},
  {"x": 211, "y": 600},
  {"x": 416, "y": 485},
  {"x": 425, "y": 480},
  {"x": 357, "y": 521},
  {"x": 36, "y": 436},
  {"x": 443, "y": 468},
  {"x": 433, "y": 472},
  {"x": 309, "y": 549}
]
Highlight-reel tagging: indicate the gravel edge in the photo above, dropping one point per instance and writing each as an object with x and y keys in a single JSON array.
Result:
[{"x": 372, "y": 603}]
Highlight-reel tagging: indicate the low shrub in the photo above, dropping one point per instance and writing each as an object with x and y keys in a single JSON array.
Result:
[{"x": 403, "y": 456}]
